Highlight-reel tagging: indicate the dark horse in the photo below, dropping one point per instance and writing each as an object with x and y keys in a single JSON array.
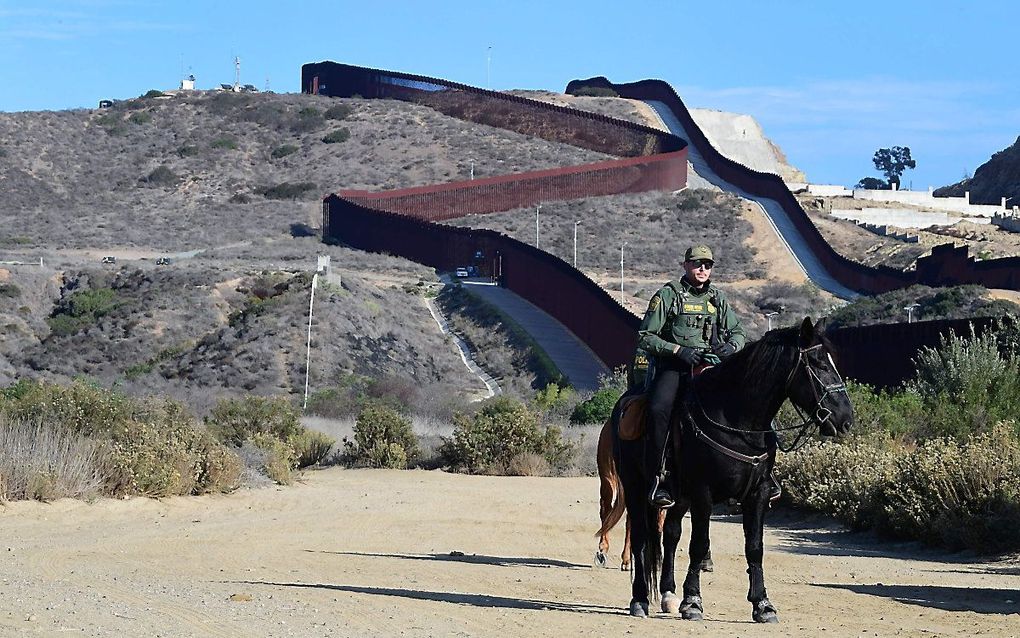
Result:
[{"x": 726, "y": 450}]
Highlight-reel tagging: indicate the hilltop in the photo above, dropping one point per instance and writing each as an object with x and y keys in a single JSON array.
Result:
[{"x": 997, "y": 178}]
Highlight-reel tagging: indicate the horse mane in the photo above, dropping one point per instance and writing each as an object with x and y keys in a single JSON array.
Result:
[{"x": 753, "y": 368}]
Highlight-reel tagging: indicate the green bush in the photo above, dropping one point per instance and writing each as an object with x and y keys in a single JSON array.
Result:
[
  {"x": 82, "y": 309},
  {"x": 288, "y": 190},
  {"x": 336, "y": 136},
  {"x": 339, "y": 112},
  {"x": 140, "y": 117},
  {"x": 498, "y": 435},
  {"x": 235, "y": 421},
  {"x": 283, "y": 151},
  {"x": 226, "y": 143},
  {"x": 596, "y": 91},
  {"x": 151, "y": 93},
  {"x": 382, "y": 438},
  {"x": 311, "y": 447},
  {"x": 597, "y": 409},
  {"x": 187, "y": 150},
  {"x": 9, "y": 290},
  {"x": 966, "y": 385}
]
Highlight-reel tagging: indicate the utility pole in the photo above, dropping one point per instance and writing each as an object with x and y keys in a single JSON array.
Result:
[
  {"x": 621, "y": 271},
  {"x": 536, "y": 224},
  {"x": 576, "y": 223},
  {"x": 308, "y": 350},
  {"x": 910, "y": 311},
  {"x": 488, "y": 65}
]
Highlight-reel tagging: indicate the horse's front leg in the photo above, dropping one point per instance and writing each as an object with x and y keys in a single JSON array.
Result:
[
  {"x": 671, "y": 524},
  {"x": 637, "y": 521},
  {"x": 754, "y": 507},
  {"x": 692, "y": 607}
]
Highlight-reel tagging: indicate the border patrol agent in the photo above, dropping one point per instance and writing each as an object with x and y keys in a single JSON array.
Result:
[{"x": 688, "y": 323}]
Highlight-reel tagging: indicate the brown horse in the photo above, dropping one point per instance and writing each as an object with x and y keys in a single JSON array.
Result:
[{"x": 611, "y": 504}]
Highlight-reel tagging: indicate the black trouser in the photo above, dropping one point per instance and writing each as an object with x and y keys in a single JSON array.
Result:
[{"x": 671, "y": 377}]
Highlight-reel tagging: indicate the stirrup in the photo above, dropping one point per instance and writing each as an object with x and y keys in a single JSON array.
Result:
[{"x": 660, "y": 497}]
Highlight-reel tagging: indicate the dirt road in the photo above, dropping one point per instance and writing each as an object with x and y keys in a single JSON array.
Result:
[{"x": 387, "y": 553}]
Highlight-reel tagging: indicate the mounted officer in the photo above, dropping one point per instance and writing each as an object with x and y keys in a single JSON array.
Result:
[{"x": 689, "y": 323}]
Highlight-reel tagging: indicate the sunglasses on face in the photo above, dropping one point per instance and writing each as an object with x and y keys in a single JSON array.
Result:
[{"x": 701, "y": 263}]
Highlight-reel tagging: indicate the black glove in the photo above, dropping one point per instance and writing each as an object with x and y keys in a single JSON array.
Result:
[
  {"x": 724, "y": 350},
  {"x": 690, "y": 356}
]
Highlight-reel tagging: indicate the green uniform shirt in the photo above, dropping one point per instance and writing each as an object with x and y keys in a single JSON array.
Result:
[{"x": 687, "y": 319}]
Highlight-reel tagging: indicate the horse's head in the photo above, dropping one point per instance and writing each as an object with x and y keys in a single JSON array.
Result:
[{"x": 815, "y": 387}]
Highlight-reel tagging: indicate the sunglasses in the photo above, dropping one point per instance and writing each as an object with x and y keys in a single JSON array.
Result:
[{"x": 702, "y": 263}]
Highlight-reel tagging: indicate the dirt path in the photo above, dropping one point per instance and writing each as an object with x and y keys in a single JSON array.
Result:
[{"x": 375, "y": 553}]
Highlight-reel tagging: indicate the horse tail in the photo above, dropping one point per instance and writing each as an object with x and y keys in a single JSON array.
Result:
[
  {"x": 653, "y": 551},
  {"x": 611, "y": 503}
]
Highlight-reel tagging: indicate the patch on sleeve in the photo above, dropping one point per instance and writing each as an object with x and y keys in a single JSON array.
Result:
[
  {"x": 654, "y": 304},
  {"x": 711, "y": 308}
]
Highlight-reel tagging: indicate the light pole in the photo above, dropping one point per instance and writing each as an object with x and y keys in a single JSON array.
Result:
[
  {"x": 576, "y": 224},
  {"x": 308, "y": 351},
  {"x": 536, "y": 224},
  {"x": 910, "y": 311},
  {"x": 768, "y": 317},
  {"x": 621, "y": 271},
  {"x": 488, "y": 65}
]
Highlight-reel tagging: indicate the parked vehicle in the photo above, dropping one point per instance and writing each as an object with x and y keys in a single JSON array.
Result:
[
  {"x": 163, "y": 261},
  {"x": 109, "y": 260},
  {"x": 460, "y": 272}
]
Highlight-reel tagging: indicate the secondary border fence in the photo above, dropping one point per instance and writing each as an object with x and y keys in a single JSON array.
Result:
[
  {"x": 402, "y": 222},
  {"x": 946, "y": 266}
]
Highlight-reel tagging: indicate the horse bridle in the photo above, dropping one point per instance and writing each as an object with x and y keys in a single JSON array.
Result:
[{"x": 819, "y": 388}]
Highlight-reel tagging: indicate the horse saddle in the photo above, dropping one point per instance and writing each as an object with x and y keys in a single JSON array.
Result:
[
  {"x": 632, "y": 417},
  {"x": 632, "y": 412}
]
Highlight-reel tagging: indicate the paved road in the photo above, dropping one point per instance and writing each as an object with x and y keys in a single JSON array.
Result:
[
  {"x": 780, "y": 221},
  {"x": 574, "y": 359}
]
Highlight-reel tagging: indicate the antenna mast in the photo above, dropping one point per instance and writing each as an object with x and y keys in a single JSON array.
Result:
[{"x": 237, "y": 74}]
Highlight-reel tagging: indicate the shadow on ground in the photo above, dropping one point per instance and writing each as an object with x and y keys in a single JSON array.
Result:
[
  {"x": 979, "y": 600},
  {"x": 475, "y": 559}
]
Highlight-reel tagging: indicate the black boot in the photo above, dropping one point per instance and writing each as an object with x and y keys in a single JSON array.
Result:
[{"x": 660, "y": 496}]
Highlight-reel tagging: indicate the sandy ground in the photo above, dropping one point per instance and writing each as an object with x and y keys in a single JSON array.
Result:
[{"x": 388, "y": 553}]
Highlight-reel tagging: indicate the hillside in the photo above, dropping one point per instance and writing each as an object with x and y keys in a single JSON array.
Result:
[{"x": 997, "y": 178}]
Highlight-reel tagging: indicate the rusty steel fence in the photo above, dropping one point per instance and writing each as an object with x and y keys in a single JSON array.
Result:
[{"x": 403, "y": 222}]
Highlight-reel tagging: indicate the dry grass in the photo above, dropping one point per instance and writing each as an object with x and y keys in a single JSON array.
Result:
[{"x": 43, "y": 462}]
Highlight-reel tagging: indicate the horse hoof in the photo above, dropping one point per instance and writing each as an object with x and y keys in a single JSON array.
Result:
[
  {"x": 600, "y": 559},
  {"x": 692, "y": 609},
  {"x": 670, "y": 603},
  {"x": 639, "y": 610},
  {"x": 707, "y": 565},
  {"x": 765, "y": 612}
]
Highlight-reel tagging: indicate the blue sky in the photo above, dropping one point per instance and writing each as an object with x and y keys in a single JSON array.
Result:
[{"x": 830, "y": 82}]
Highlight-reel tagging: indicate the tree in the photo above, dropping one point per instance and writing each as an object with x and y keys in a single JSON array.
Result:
[
  {"x": 872, "y": 184},
  {"x": 893, "y": 161}
]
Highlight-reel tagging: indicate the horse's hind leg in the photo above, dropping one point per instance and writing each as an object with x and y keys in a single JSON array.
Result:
[
  {"x": 754, "y": 506},
  {"x": 625, "y": 554}
]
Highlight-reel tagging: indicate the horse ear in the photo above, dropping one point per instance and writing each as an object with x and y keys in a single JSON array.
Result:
[{"x": 807, "y": 332}]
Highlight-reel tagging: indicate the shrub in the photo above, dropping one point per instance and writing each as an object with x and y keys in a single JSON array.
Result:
[
  {"x": 140, "y": 117},
  {"x": 161, "y": 176},
  {"x": 227, "y": 143},
  {"x": 503, "y": 429},
  {"x": 339, "y": 112},
  {"x": 81, "y": 309},
  {"x": 382, "y": 438},
  {"x": 288, "y": 190},
  {"x": 9, "y": 290},
  {"x": 596, "y": 91},
  {"x": 597, "y": 409},
  {"x": 336, "y": 136},
  {"x": 187, "y": 150},
  {"x": 151, "y": 93},
  {"x": 153, "y": 447},
  {"x": 966, "y": 384},
  {"x": 235, "y": 421},
  {"x": 283, "y": 151},
  {"x": 45, "y": 462},
  {"x": 310, "y": 447}
]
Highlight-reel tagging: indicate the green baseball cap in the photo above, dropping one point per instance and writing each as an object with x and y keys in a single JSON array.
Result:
[{"x": 701, "y": 251}]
